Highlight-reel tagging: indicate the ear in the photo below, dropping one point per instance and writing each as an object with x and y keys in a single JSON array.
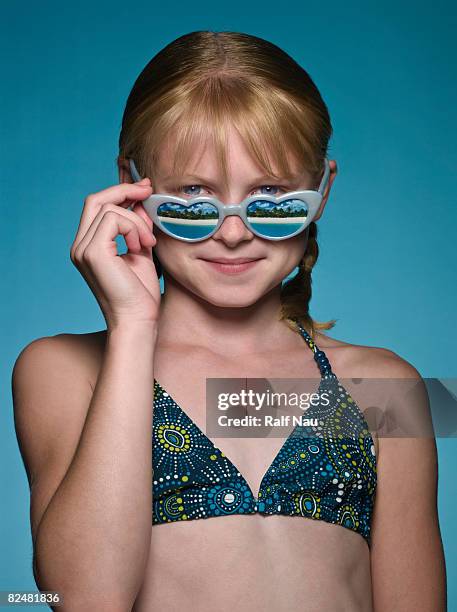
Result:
[
  {"x": 331, "y": 178},
  {"x": 124, "y": 170}
]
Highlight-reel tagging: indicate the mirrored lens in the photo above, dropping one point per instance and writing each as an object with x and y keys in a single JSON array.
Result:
[
  {"x": 195, "y": 221},
  {"x": 277, "y": 220}
]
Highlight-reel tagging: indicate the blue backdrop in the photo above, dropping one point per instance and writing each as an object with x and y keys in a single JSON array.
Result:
[{"x": 387, "y": 238}]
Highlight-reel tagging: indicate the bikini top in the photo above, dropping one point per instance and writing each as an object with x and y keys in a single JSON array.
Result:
[{"x": 323, "y": 475}]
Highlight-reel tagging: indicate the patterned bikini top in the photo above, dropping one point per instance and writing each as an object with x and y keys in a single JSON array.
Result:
[{"x": 323, "y": 475}]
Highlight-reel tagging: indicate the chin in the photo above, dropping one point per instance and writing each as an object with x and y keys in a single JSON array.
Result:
[{"x": 234, "y": 297}]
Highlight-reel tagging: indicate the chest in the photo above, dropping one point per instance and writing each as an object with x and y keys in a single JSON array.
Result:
[{"x": 183, "y": 377}]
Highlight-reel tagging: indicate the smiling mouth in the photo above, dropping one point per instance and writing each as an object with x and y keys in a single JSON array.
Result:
[
  {"x": 232, "y": 266},
  {"x": 233, "y": 261}
]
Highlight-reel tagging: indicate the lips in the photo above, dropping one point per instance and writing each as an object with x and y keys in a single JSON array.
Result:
[
  {"x": 233, "y": 261},
  {"x": 232, "y": 266}
]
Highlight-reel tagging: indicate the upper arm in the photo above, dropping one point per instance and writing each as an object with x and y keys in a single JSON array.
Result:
[
  {"x": 51, "y": 395},
  {"x": 407, "y": 558}
]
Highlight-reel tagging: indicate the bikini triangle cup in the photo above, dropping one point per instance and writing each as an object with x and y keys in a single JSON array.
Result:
[{"x": 323, "y": 476}]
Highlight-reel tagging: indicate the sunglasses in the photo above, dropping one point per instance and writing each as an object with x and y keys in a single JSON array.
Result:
[{"x": 266, "y": 216}]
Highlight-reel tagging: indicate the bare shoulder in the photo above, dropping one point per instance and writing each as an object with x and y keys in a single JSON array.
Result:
[
  {"x": 79, "y": 352},
  {"x": 52, "y": 386},
  {"x": 89, "y": 349},
  {"x": 363, "y": 361},
  {"x": 51, "y": 374},
  {"x": 358, "y": 367}
]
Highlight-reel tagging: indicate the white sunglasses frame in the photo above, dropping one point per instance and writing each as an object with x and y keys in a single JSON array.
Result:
[{"x": 311, "y": 197}]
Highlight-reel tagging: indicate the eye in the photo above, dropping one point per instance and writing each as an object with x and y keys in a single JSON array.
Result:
[
  {"x": 193, "y": 191},
  {"x": 272, "y": 190},
  {"x": 190, "y": 190}
]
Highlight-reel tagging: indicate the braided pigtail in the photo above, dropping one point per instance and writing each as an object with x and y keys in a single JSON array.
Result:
[{"x": 296, "y": 292}]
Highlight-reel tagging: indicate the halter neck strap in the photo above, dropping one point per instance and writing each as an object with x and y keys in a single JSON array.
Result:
[{"x": 319, "y": 356}]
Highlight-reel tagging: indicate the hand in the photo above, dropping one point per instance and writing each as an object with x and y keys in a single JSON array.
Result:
[{"x": 126, "y": 286}]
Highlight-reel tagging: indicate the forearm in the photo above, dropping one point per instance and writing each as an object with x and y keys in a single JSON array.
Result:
[{"x": 93, "y": 541}]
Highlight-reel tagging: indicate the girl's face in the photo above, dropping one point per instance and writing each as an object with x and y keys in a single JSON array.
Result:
[{"x": 189, "y": 264}]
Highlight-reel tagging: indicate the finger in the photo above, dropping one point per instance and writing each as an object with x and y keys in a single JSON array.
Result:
[
  {"x": 143, "y": 228},
  {"x": 120, "y": 195},
  {"x": 145, "y": 181},
  {"x": 146, "y": 237},
  {"x": 103, "y": 241},
  {"x": 141, "y": 212}
]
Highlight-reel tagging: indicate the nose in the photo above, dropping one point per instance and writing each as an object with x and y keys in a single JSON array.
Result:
[{"x": 232, "y": 231}]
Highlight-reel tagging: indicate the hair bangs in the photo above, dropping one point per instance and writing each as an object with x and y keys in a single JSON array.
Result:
[{"x": 201, "y": 117}]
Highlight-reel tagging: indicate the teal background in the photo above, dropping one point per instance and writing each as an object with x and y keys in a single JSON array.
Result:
[{"x": 388, "y": 236}]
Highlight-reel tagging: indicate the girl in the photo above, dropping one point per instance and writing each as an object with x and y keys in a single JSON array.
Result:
[{"x": 125, "y": 519}]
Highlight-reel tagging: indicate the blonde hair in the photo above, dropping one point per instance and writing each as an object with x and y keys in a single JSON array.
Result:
[{"x": 203, "y": 81}]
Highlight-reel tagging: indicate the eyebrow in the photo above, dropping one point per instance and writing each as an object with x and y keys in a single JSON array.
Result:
[{"x": 256, "y": 181}]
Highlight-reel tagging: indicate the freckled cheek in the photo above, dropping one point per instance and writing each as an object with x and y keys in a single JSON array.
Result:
[
  {"x": 174, "y": 255},
  {"x": 288, "y": 253}
]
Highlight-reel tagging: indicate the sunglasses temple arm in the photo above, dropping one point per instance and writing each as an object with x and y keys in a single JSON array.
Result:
[
  {"x": 133, "y": 171},
  {"x": 324, "y": 180}
]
